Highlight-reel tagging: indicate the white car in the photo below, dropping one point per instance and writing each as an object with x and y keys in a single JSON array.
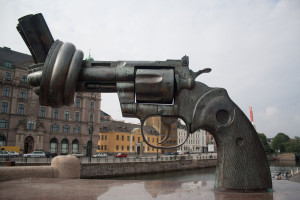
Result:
[
  {"x": 4, "y": 154},
  {"x": 77, "y": 154},
  {"x": 35, "y": 154},
  {"x": 13, "y": 154},
  {"x": 100, "y": 155}
]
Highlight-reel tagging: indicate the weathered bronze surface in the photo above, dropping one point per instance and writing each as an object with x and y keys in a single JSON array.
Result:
[{"x": 165, "y": 88}]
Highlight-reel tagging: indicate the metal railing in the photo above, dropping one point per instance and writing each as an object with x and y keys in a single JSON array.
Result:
[{"x": 111, "y": 159}]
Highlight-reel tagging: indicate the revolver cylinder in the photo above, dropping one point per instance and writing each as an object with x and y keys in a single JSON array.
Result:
[{"x": 154, "y": 86}]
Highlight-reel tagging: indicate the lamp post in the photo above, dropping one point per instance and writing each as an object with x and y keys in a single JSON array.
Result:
[
  {"x": 157, "y": 148},
  {"x": 91, "y": 129}
]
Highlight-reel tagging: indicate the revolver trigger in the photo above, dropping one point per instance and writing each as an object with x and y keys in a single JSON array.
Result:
[{"x": 167, "y": 122}]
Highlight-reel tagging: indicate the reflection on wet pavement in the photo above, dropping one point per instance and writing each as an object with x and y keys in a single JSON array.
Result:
[{"x": 43, "y": 188}]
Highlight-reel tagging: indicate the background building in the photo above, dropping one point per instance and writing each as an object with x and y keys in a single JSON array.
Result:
[
  {"x": 196, "y": 143},
  {"x": 24, "y": 123},
  {"x": 156, "y": 123},
  {"x": 210, "y": 140},
  {"x": 120, "y": 137},
  {"x": 104, "y": 116}
]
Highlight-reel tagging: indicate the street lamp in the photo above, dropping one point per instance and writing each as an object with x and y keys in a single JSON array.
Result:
[
  {"x": 157, "y": 148},
  {"x": 91, "y": 129}
]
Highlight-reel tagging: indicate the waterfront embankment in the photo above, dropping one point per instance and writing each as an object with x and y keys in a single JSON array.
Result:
[
  {"x": 119, "y": 167},
  {"x": 94, "y": 170}
]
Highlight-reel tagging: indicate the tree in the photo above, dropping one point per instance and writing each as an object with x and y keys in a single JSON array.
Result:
[
  {"x": 293, "y": 146},
  {"x": 264, "y": 142},
  {"x": 279, "y": 140}
]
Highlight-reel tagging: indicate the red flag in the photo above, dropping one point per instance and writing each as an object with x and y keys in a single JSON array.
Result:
[{"x": 251, "y": 114}]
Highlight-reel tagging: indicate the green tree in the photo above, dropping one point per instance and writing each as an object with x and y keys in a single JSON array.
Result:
[
  {"x": 293, "y": 146},
  {"x": 279, "y": 142},
  {"x": 264, "y": 142}
]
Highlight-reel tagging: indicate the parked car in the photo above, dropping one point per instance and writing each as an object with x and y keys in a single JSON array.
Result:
[
  {"x": 77, "y": 154},
  {"x": 121, "y": 155},
  {"x": 4, "y": 154},
  {"x": 50, "y": 155},
  {"x": 100, "y": 155},
  {"x": 35, "y": 154},
  {"x": 13, "y": 154}
]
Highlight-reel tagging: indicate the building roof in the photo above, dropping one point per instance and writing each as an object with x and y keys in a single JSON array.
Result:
[
  {"x": 102, "y": 113},
  {"x": 112, "y": 126},
  {"x": 17, "y": 58}
]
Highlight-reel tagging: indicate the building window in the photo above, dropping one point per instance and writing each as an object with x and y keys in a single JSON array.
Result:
[
  {"x": 8, "y": 64},
  {"x": 53, "y": 145},
  {"x": 132, "y": 148},
  {"x": 91, "y": 130},
  {"x": 54, "y": 128},
  {"x": 122, "y": 147},
  {"x": 105, "y": 137},
  {"x": 67, "y": 115},
  {"x": 3, "y": 123},
  {"x": 8, "y": 76},
  {"x": 6, "y": 92},
  {"x": 66, "y": 129},
  {"x": 127, "y": 138},
  {"x": 55, "y": 113},
  {"x": 4, "y": 107},
  {"x": 21, "y": 109},
  {"x": 76, "y": 129},
  {"x": 138, "y": 139},
  {"x": 23, "y": 94},
  {"x": 117, "y": 137},
  {"x": 30, "y": 125},
  {"x": 133, "y": 139},
  {"x": 77, "y": 116},
  {"x": 64, "y": 147},
  {"x": 105, "y": 148},
  {"x": 92, "y": 105},
  {"x": 117, "y": 147},
  {"x": 24, "y": 78},
  {"x": 43, "y": 112},
  {"x": 77, "y": 103},
  {"x": 75, "y": 146},
  {"x": 122, "y": 137},
  {"x": 127, "y": 148},
  {"x": 91, "y": 117}
]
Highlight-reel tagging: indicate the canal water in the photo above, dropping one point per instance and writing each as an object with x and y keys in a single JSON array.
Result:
[{"x": 204, "y": 174}]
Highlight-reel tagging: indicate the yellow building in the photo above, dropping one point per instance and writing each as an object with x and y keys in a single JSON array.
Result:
[{"x": 120, "y": 137}]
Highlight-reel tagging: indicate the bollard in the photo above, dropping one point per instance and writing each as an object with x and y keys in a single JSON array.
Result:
[
  {"x": 10, "y": 163},
  {"x": 66, "y": 166}
]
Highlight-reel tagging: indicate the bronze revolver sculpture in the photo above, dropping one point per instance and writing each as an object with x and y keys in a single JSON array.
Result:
[{"x": 165, "y": 88}]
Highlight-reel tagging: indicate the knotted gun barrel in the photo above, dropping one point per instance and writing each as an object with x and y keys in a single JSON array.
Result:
[{"x": 146, "y": 88}]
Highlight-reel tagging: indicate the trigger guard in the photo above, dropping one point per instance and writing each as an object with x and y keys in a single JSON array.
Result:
[{"x": 163, "y": 147}]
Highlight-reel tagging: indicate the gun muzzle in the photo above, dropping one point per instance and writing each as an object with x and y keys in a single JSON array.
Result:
[{"x": 36, "y": 35}]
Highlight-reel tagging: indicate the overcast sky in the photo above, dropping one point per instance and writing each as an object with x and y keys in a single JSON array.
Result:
[{"x": 253, "y": 47}]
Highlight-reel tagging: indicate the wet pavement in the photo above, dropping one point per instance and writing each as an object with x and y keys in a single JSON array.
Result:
[{"x": 52, "y": 188}]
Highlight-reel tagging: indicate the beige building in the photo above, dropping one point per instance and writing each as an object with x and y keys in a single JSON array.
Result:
[
  {"x": 156, "y": 123},
  {"x": 24, "y": 123}
]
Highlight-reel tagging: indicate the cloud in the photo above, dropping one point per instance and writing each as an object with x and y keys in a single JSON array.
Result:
[{"x": 271, "y": 112}]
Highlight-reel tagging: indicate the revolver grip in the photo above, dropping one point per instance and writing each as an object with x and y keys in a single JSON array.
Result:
[{"x": 242, "y": 163}]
